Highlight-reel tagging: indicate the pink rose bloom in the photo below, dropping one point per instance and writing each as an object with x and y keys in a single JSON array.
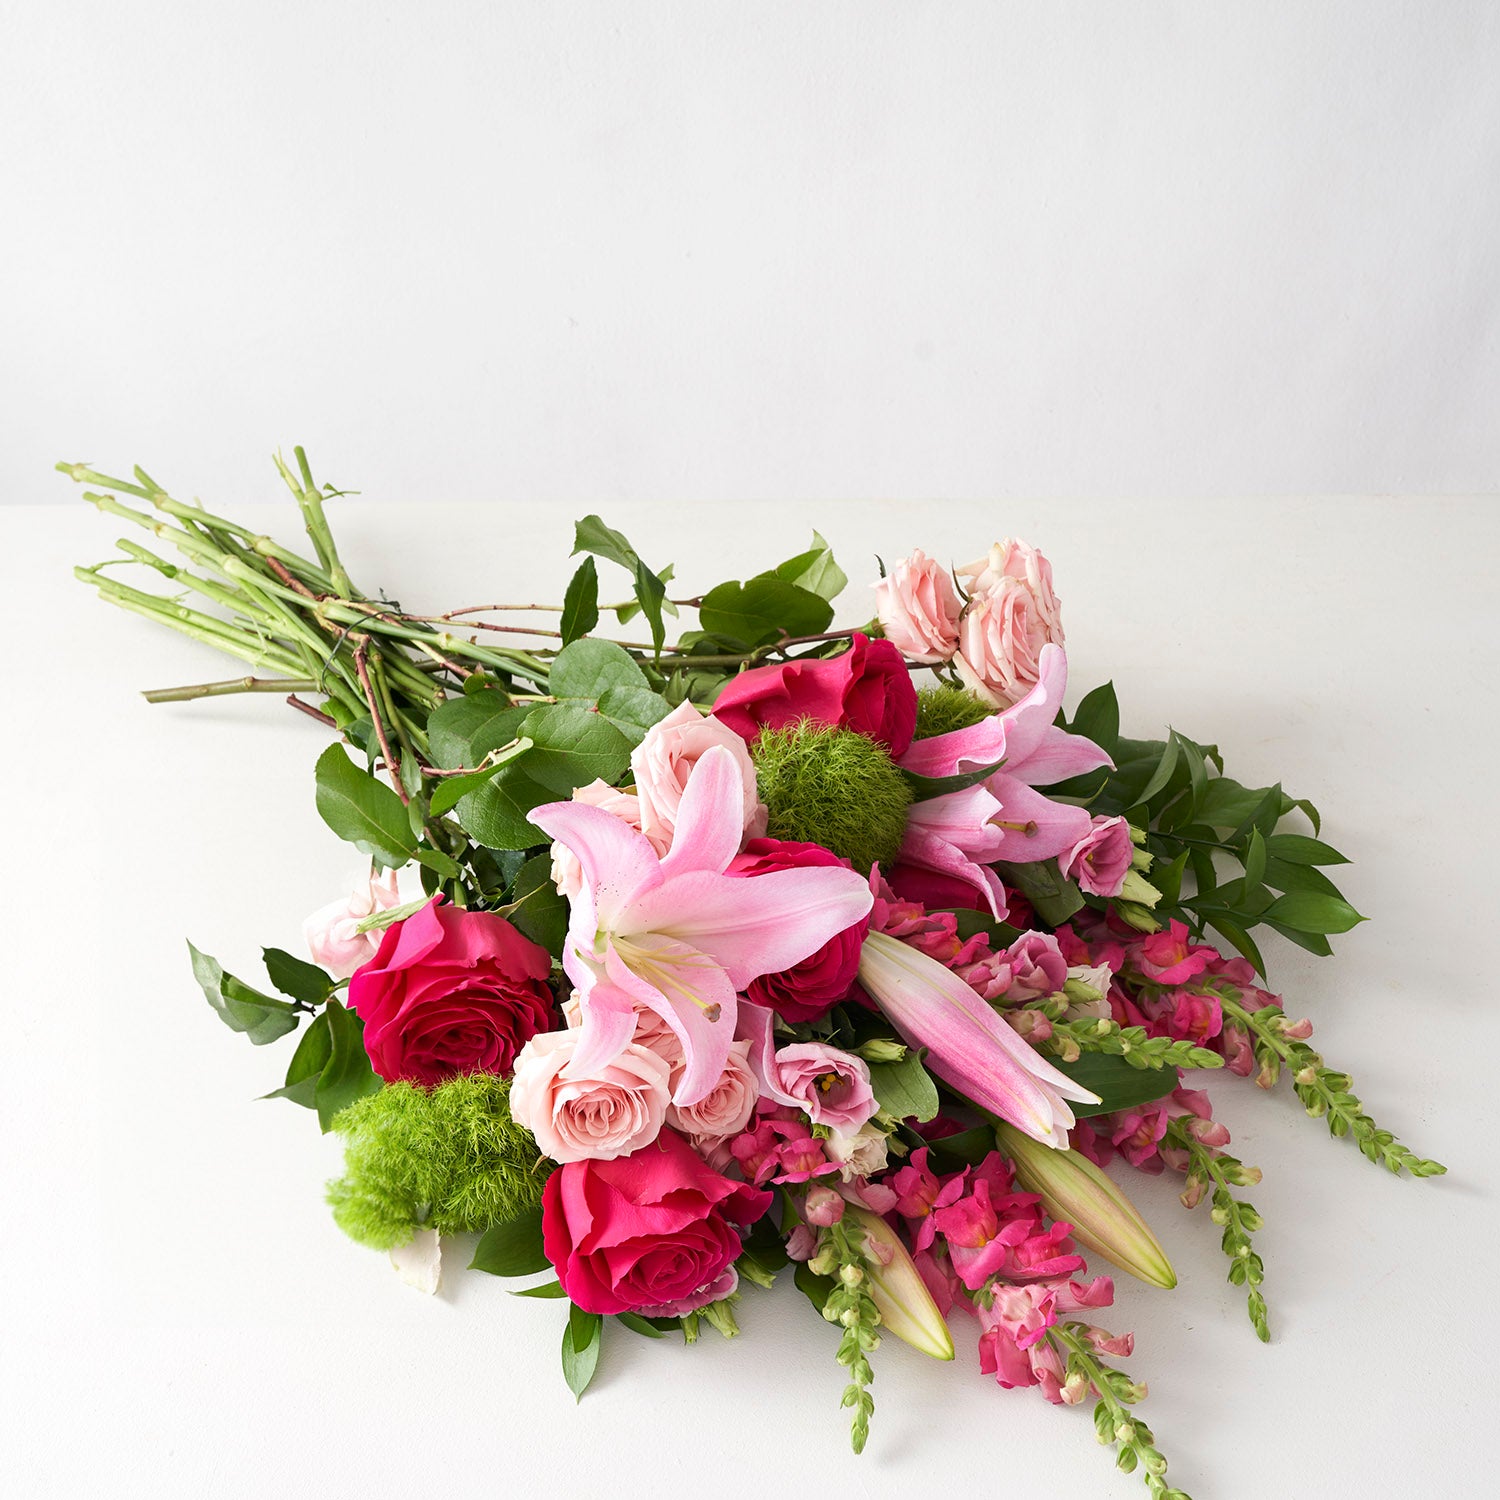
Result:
[
  {"x": 867, "y": 689},
  {"x": 567, "y": 873},
  {"x": 610, "y": 1112},
  {"x": 831, "y": 1085},
  {"x": 813, "y": 987},
  {"x": 331, "y": 933},
  {"x": 726, "y": 1108},
  {"x": 918, "y": 609},
  {"x": 1037, "y": 967},
  {"x": 662, "y": 762},
  {"x": 1012, "y": 614},
  {"x": 1100, "y": 860},
  {"x": 451, "y": 992},
  {"x": 653, "y": 1230}
]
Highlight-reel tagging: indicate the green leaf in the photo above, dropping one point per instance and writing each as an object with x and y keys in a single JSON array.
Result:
[
  {"x": 451, "y": 790},
  {"x": 968, "y": 1147},
  {"x": 589, "y": 668},
  {"x": 573, "y": 746},
  {"x": 548, "y": 1289},
  {"x": 306, "y": 1066},
  {"x": 296, "y": 977},
  {"x": 1290, "y": 877},
  {"x": 1255, "y": 859},
  {"x": 463, "y": 730},
  {"x": 1050, "y": 892},
  {"x": 1098, "y": 718},
  {"x": 924, "y": 788},
  {"x": 1297, "y": 849},
  {"x": 1314, "y": 942},
  {"x": 760, "y": 610},
  {"x": 633, "y": 710},
  {"x": 817, "y": 1289},
  {"x": 1000, "y": 934},
  {"x": 592, "y": 535},
  {"x": 261, "y": 1018},
  {"x": 512, "y": 1249},
  {"x": 1225, "y": 925},
  {"x": 495, "y": 814},
  {"x": 1307, "y": 911},
  {"x": 580, "y": 1349},
  {"x": 537, "y": 908},
  {"x": 637, "y": 1324},
  {"x": 815, "y": 570},
  {"x": 1118, "y": 1085},
  {"x": 904, "y": 1089},
  {"x": 651, "y": 591},
  {"x": 362, "y": 810},
  {"x": 1163, "y": 773},
  {"x": 1168, "y": 878},
  {"x": 347, "y": 1075},
  {"x": 580, "y": 612}
]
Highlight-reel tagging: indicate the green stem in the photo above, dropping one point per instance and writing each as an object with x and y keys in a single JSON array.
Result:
[
  {"x": 231, "y": 685},
  {"x": 1323, "y": 1091},
  {"x": 310, "y": 500}
]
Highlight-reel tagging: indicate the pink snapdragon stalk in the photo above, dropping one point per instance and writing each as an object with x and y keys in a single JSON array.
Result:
[
  {"x": 1074, "y": 1191},
  {"x": 969, "y": 1046}
]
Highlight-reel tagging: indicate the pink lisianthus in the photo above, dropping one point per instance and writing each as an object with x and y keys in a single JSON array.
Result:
[
  {"x": 1012, "y": 615},
  {"x": 831, "y": 1085},
  {"x": 867, "y": 689},
  {"x": 811, "y": 988},
  {"x": 611, "y": 1111},
  {"x": 919, "y": 609},
  {"x": 1100, "y": 860},
  {"x": 664, "y": 759},
  {"x": 451, "y": 992},
  {"x": 332, "y": 932}
]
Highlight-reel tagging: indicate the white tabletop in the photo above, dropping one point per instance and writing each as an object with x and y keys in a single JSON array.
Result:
[{"x": 182, "y": 1318}]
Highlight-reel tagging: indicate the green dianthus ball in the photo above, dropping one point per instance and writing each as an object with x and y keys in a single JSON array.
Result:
[
  {"x": 448, "y": 1158},
  {"x": 942, "y": 709},
  {"x": 832, "y": 787}
]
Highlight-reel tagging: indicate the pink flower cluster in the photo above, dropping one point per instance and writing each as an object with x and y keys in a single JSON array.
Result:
[{"x": 982, "y": 1246}]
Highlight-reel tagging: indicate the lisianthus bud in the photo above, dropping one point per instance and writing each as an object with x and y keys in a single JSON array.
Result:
[
  {"x": 897, "y": 1289},
  {"x": 824, "y": 1207},
  {"x": 1074, "y": 1191},
  {"x": 882, "y": 1050},
  {"x": 1139, "y": 890}
]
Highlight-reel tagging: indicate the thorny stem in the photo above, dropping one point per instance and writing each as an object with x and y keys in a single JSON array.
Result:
[
  {"x": 231, "y": 685},
  {"x": 361, "y": 650}
]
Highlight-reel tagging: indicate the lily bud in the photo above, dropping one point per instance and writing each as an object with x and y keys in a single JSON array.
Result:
[
  {"x": 896, "y": 1287},
  {"x": 1074, "y": 1191}
]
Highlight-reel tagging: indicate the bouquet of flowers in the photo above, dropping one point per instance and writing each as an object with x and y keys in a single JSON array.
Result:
[{"x": 777, "y": 949}]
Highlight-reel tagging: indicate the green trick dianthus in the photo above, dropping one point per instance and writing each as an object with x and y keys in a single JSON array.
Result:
[
  {"x": 832, "y": 787},
  {"x": 448, "y": 1158},
  {"x": 942, "y": 709}
]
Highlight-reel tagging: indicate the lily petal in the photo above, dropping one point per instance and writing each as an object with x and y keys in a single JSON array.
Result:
[
  {"x": 928, "y": 850},
  {"x": 618, "y": 863},
  {"x": 710, "y": 818},
  {"x": 1034, "y": 827},
  {"x": 608, "y": 1025},
  {"x": 756, "y": 924}
]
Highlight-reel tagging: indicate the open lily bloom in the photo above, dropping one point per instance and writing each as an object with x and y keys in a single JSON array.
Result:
[
  {"x": 960, "y": 833},
  {"x": 969, "y": 1045},
  {"x": 673, "y": 933}
]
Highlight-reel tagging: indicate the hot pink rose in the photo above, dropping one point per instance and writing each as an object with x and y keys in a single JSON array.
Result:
[
  {"x": 652, "y": 1230},
  {"x": 1012, "y": 613},
  {"x": 831, "y": 1085},
  {"x": 1100, "y": 860},
  {"x": 662, "y": 762},
  {"x": 451, "y": 992},
  {"x": 811, "y": 988},
  {"x": 867, "y": 689},
  {"x": 919, "y": 608},
  {"x": 726, "y": 1108},
  {"x": 609, "y": 1112},
  {"x": 332, "y": 932}
]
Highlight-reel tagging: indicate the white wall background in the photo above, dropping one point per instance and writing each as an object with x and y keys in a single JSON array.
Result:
[{"x": 592, "y": 252}]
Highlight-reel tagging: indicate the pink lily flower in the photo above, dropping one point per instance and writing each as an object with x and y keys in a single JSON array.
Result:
[
  {"x": 969, "y": 1046},
  {"x": 960, "y": 834},
  {"x": 673, "y": 933}
]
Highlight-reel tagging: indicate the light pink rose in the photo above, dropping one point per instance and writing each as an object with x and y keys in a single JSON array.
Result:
[
  {"x": 599, "y": 1116},
  {"x": 567, "y": 873},
  {"x": 726, "y": 1108},
  {"x": 1100, "y": 860},
  {"x": 1012, "y": 613},
  {"x": 831, "y": 1085},
  {"x": 331, "y": 932},
  {"x": 662, "y": 762},
  {"x": 918, "y": 609}
]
